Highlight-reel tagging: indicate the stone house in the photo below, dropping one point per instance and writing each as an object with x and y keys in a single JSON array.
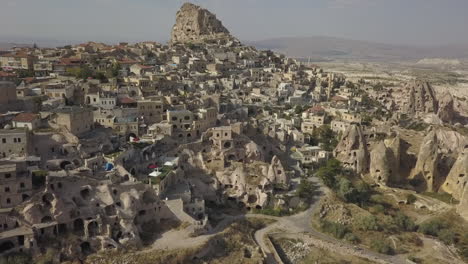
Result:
[
  {"x": 16, "y": 61},
  {"x": 8, "y": 92},
  {"x": 339, "y": 126},
  {"x": 77, "y": 120},
  {"x": 151, "y": 111},
  {"x": 59, "y": 90},
  {"x": 14, "y": 142},
  {"x": 29, "y": 120},
  {"x": 127, "y": 126},
  {"x": 15, "y": 185}
]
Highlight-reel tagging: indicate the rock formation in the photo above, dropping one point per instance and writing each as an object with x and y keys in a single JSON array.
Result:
[
  {"x": 276, "y": 172},
  {"x": 421, "y": 98},
  {"x": 462, "y": 207},
  {"x": 451, "y": 142},
  {"x": 394, "y": 145},
  {"x": 456, "y": 180},
  {"x": 382, "y": 164},
  {"x": 195, "y": 24},
  {"x": 446, "y": 111},
  {"x": 352, "y": 150},
  {"x": 247, "y": 183},
  {"x": 426, "y": 169}
]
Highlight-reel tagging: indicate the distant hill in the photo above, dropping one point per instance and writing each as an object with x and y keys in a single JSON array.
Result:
[
  {"x": 331, "y": 48},
  {"x": 7, "y": 46}
]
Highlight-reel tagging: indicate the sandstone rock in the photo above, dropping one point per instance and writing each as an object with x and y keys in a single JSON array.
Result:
[
  {"x": 450, "y": 141},
  {"x": 426, "y": 169},
  {"x": 382, "y": 164},
  {"x": 254, "y": 152},
  {"x": 456, "y": 180},
  {"x": 421, "y": 98},
  {"x": 276, "y": 172},
  {"x": 352, "y": 150},
  {"x": 446, "y": 111},
  {"x": 462, "y": 207},
  {"x": 195, "y": 24},
  {"x": 394, "y": 144}
]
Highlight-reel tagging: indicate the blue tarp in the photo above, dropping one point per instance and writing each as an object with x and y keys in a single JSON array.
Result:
[{"x": 109, "y": 166}]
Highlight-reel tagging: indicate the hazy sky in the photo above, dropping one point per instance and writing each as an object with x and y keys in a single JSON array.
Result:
[{"x": 388, "y": 21}]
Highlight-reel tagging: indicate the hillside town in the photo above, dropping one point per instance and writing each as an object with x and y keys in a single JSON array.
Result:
[{"x": 100, "y": 144}]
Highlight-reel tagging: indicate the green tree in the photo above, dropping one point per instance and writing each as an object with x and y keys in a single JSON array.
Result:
[
  {"x": 327, "y": 137},
  {"x": 84, "y": 72},
  {"x": 306, "y": 189},
  {"x": 329, "y": 172},
  {"x": 346, "y": 190},
  {"x": 114, "y": 70},
  {"x": 25, "y": 73}
]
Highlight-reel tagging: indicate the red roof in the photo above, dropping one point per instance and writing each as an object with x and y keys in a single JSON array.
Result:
[
  {"x": 7, "y": 74},
  {"x": 17, "y": 55},
  {"x": 145, "y": 66},
  {"x": 69, "y": 61},
  {"x": 25, "y": 117},
  {"x": 29, "y": 79},
  {"x": 316, "y": 109},
  {"x": 127, "y": 100}
]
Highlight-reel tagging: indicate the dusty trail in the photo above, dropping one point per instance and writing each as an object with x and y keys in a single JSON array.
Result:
[{"x": 297, "y": 226}]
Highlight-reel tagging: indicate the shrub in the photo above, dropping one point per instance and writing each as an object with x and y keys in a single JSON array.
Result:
[
  {"x": 403, "y": 222},
  {"x": 432, "y": 227},
  {"x": 47, "y": 258},
  {"x": 336, "y": 229},
  {"x": 346, "y": 191},
  {"x": 444, "y": 197},
  {"x": 411, "y": 198},
  {"x": 352, "y": 238},
  {"x": 382, "y": 247},
  {"x": 447, "y": 236},
  {"x": 329, "y": 172},
  {"x": 377, "y": 209},
  {"x": 388, "y": 224},
  {"x": 16, "y": 258},
  {"x": 416, "y": 182},
  {"x": 367, "y": 223},
  {"x": 415, "y": 259},
  {"x": 306, "y": 189}
]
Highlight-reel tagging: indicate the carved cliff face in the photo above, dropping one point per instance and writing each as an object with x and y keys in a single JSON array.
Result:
[
  {"x": 426, "y": 169},
  {"x": 382, "y": 164},
  {"x": 352, "y": 150},
  {"x": 457, "y": 179},
  {"x": 195, "y": 24},
  {"x": 421, "y": 98}
]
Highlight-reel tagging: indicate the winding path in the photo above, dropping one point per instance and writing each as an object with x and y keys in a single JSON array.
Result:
[{"x": 297, "y": 226}]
